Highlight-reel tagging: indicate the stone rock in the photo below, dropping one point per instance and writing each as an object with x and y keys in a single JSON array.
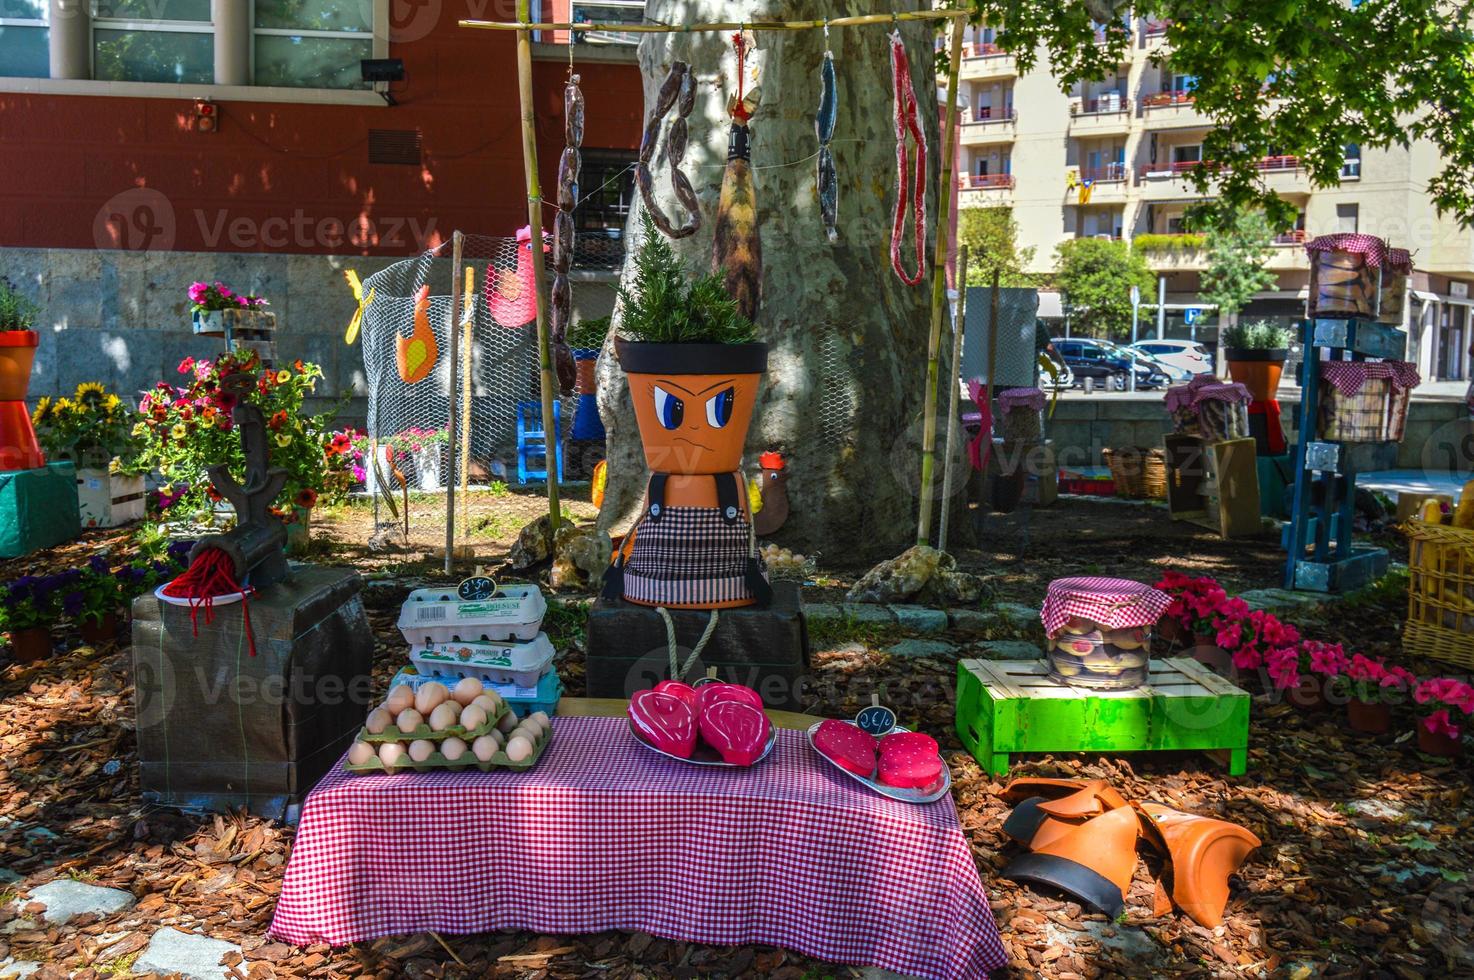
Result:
[
  {"x": 1282, "y": 600},
  {"x": 921, "y": 648},
  {"x": 1009, "y": 650},
  {"x": 8, "y": 877},
  {"x": 580, "y": 556},
  {"x": 17, "y": 969},
  {"x": 65, "y": 898},
  {"x": 1017, "y": 614},
  {"x": 819, "y": 612},
  {"x": 920, "y": 618},
  {"x": 920, "y": 574},
  {"x": 533, "y": 545},
  {"x": 970, "y": 620},
  {"x": 876, "y": 973},
  {"x": 185, "y": 954},
  {"x": 860, "y": 612}
]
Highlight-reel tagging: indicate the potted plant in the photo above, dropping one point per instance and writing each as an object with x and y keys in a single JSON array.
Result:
[
  {"x": 1256, "y": 354},
  {"x": 93, "y": 600},
  {"x": 93, "y": 429},
  {"x": 427, "y": 448},
  {"x": 1304, "y": 670},
  {"x": 208, "y": 302},
  {"x": 28, "y": 607},
  {"x": 18, "y": 447},
  {"x": 1371, "y": 688},
  {"x": 1444, "y": 705},
  {"x": 688, "y": 335},
  {"x": 587, "y": 339}
]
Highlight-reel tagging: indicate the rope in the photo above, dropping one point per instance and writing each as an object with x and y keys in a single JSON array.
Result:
[
  {"x": 676, "y": 673},
  {"x": 211, "y": 574}
]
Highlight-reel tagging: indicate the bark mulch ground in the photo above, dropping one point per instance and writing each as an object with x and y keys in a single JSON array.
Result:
[{"x": 1367, "y": 844}]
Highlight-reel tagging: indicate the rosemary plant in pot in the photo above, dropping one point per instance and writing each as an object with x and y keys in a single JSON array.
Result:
[{"x": 1256, "y": 354}]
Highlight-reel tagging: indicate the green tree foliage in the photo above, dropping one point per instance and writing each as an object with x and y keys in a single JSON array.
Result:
[
  {"x": 1295, "y": 77},
  {"x": 991, "y": 235},
  {"x": 1096, "y": 276},
  {"x": 1237, "y": 252}
]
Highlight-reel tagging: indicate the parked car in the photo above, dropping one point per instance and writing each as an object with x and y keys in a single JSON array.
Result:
[
  {"x": 1105, "y": 364},
  {"x": 1186, "y": 354},
  {"x": 1174, "y": 373}
]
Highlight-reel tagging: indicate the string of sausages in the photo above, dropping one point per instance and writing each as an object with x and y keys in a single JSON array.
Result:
[
  {"x": 907, "y": 122},
  {"x": 678, "y": 90},
  {"x": 827, "y": 178},
  {"x": 569, "y": 166}
]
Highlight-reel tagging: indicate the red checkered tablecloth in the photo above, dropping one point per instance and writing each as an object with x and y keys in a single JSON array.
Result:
[{"x": 604, "y": 834}]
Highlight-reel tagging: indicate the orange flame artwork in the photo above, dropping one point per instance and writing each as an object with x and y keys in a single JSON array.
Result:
[{"x": 415, "y": 356}]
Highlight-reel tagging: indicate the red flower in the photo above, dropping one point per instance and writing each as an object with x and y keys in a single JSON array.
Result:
[
  {"x": 307, "y": 497},
  {"x": 212, "y": 493},
  {"x": 297, "y": 365},
  {"x": 278, "y": 420},
  {"x": 186, "y": 365}
]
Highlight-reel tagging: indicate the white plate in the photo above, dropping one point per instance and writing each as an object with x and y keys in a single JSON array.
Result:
[
  {"x": 174, "y": 600},
  {"x": 926, "y": 794},
  {"x": 705, "y": 755}
]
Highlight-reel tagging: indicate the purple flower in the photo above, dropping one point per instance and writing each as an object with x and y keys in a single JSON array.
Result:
[
  {"x": 71, "y": 603},
  {"x": 98, "y": 564}
]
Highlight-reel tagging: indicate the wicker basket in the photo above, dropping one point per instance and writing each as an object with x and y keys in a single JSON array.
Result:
[
  {"x": 1440, "y": 593},
  {"x": 1139, "y": 473}
]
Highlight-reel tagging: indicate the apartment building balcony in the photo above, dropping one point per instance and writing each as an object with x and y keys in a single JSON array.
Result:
[
  {"x": 1171, "y": 110},
  {"x": 1153, "y": 32},
  {"x": 1100, "y": 117},
  {"x": 1288, "y": 252},
  {"x": 982, "y": 188},
  {"x": 989, "y": 126},
  {"x": 1172, "y": 252},
  {"x": 985, "y": 59},
  {"x": 1109, "y": 184}
]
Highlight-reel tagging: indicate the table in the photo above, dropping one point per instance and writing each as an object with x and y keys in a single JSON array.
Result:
[{"x": 605, "y": 834}]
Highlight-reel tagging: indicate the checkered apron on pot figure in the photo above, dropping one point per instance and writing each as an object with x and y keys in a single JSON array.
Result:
[{"x": 691, "y": 557}]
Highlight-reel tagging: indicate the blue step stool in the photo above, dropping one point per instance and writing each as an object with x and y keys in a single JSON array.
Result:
[{"x": 532, "y": 440}]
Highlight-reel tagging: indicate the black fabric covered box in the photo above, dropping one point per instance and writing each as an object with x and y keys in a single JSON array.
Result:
[
  {"x": 220, "y": 728},
  {"x": 765, "y": 649}
]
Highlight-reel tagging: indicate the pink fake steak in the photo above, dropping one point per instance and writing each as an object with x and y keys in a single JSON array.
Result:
[
  {"x": 665, "y": 721},
  {"x": 910, "y": 767},
  {"x": 737, "y": 730},
  {"x": 846, "y": 746},
  {"x": 708, "y": 694}
]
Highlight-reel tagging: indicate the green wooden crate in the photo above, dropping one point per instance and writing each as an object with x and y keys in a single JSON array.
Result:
[{"x": 1008, "y": 706}]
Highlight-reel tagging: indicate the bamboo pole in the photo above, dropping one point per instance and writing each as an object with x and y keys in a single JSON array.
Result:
[
  {"x": 457, "y": 243},
  {"x": 959, "y": 322},
  {"x": 938, "y": 289},
  {"x": 987, "y": 407},
  {"x": 534, "y": 219},
  {"x": 468, "y": 321},
  {"x": 752, "y": 25}
]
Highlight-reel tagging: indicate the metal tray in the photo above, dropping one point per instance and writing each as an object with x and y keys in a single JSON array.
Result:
[
  {"x": 926, "y": 794},
  {"x": 705, "y": 755}
]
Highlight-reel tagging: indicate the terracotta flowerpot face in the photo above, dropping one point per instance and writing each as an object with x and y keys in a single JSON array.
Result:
[{"x": 693, "y": 402}]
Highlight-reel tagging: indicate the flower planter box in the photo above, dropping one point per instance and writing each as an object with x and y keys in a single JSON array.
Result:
[
  {"x": 210, "y": 324},
  {"x": 428, "y": 468},
  {"x": 108, "y": 499}
]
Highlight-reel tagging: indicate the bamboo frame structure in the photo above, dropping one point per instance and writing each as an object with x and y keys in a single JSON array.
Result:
[
  {"x": 457, "y": 249},
  {"x": 959, "y": 324},
  {"x": 524, "y": 27}
]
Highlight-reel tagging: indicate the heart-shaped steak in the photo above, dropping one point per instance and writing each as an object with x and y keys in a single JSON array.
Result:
[
  {"x": 708, "y": 694},
  {"x": 910, "y": 767},
  {"x": 665, "y": 721},
  {"x": 846, "y": 746},
  {"x": 896, "y": 740},
  {"x": 737, "y": 730},
  {"x": 679, "y": 689}
]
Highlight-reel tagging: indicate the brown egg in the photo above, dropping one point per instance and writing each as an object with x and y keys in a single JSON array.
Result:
[
  {"x": 421, "y": 749},
  {"x": 467, "y": 690},
  {"x": 519, "y": 748},
  {"x": 443, "y": 716},
  {"x": 452, "y": 748},
  {"x": 409, "y": 719},
  {"x": 430, "y": 697},
  {"x": 378, "y": 721},
  {"x": 472, "y": 717},
  {"x": 541, "y": 717},
  {"x": 360, "y": 752},
  {"x": 488, "y": 702},
  {"x": 484, "y": 748},
  {"x": 391, "y": 754},
  {"x": 401, "y": 697},
  {"x": 508, "y": 723},
  {"x": 528, "y": 729}
]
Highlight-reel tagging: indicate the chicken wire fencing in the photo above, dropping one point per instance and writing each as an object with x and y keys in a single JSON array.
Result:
[{"x": 494, "y": 391}]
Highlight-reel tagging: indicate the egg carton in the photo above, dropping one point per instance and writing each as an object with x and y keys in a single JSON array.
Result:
[
  {"x": 437, "y": 761},
  {"x": 517, "y": 663},
  {"x": 522, "y": 700},
  {"x": 424, "y": 731},
  {"x": 432, "y": 616}
]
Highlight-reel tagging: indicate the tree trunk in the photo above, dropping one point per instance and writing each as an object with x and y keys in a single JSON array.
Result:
[{"x": 843, "y": 396}]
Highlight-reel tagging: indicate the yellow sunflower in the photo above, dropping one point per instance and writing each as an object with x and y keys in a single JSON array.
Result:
[
  {"x": 43, "y": 410},
  {"x": 111, "y": 402},
  {"x": 89, "y": 391}
]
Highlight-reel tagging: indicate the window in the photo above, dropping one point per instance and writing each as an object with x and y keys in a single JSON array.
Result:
[
  {"x": 1192, "y": 153},
  {"x": 1182, "y": 83},
  {"x": 1352, "y": 167},
  {"x": 1347, "y": 218},
  {"x": 607, "y": 188},
  {"x": 607, "y": 13},
  {"x": 153, "y": 41},
  {"x": 312, "y": 43},
  {"x": 24, "y": 46}
]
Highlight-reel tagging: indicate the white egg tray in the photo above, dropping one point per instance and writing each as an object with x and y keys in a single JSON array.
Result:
[
  {"x": 468, "y": 761},
  {"x": 432, "y": 616},
  {"x": 519, "y": 663}
]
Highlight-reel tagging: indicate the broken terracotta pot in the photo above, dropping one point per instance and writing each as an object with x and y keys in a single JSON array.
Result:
[
  {"x": 1203, "y": 852},
  {"x": 1038, "y": 820},
  {"x": 1093, "y": 861}
]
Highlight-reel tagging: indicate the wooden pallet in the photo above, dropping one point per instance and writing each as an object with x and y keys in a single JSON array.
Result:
[
  {"x": 251, "y": 330},
  {"x": 1010, "y": 706}
]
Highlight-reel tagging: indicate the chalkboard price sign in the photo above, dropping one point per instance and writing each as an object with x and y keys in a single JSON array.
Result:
[
  {"x": 477, "y": 588},
  {"x": 875, "y": 719}
]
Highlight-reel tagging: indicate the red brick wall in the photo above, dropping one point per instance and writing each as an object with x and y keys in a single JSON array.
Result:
[{"x": 296, "y": 178}]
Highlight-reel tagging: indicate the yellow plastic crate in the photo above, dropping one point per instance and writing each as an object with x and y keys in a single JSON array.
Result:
[{"x": 1440, "y": 593}]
